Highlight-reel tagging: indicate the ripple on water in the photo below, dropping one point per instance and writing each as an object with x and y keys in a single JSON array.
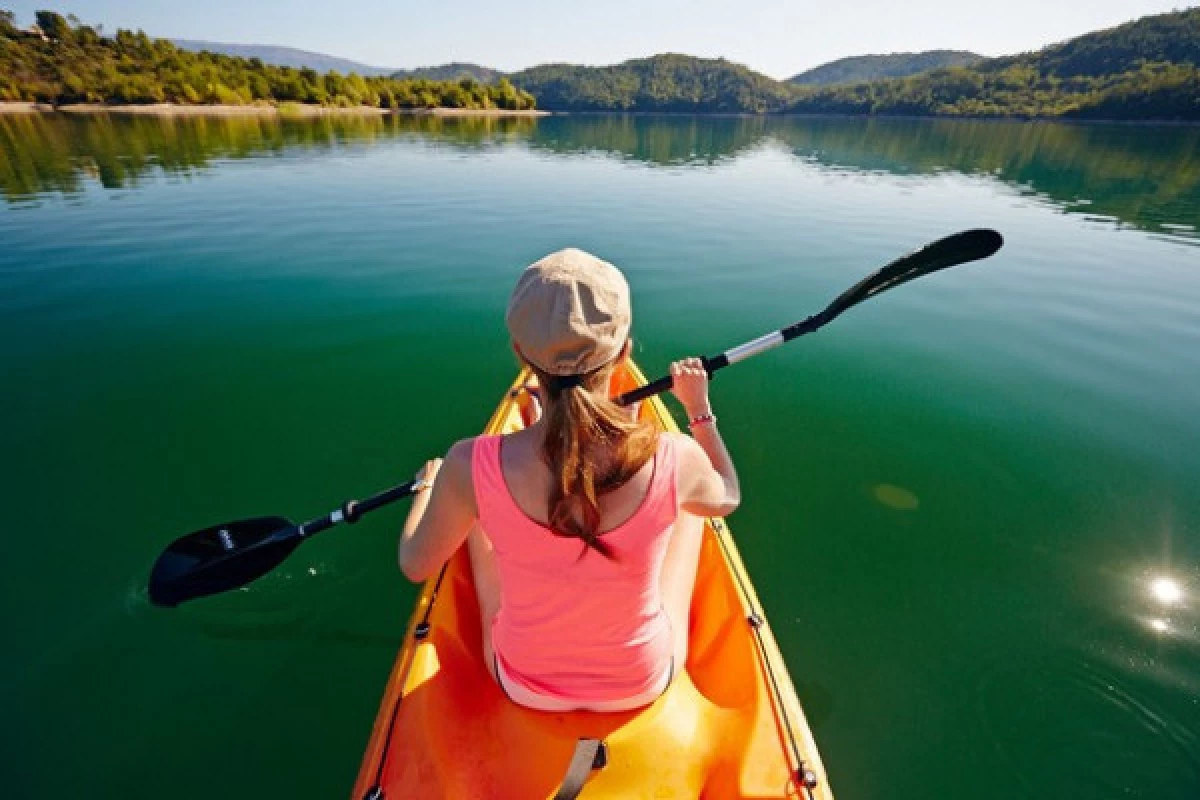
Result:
[{"x": 1132, "y": 743}]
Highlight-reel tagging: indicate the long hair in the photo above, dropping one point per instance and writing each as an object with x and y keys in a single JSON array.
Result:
[{"x": 591, "y": 447}]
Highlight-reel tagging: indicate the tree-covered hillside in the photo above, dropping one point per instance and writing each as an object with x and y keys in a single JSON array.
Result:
[
  {"x": 1163, "y": 38},
  {"x": 63, "y": 62},
  {"x": 859, "y": 69},
  {"x": 1146, "y": 69},
  {"x": 662, "y": 83},
  {"x": 454, "y": 71}
]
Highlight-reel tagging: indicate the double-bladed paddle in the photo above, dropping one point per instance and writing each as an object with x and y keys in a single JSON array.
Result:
[
  {"x": 960, "y": 248},
  {"x": 229, "y": 556}
]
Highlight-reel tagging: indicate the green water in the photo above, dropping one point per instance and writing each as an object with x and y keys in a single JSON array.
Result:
[{"x": 959, "y": 496}]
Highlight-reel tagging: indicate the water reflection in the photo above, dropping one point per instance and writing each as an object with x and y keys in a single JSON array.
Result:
[
  {"x": 1166, "y": 591},
  {"x": 1144, "y": 177}
]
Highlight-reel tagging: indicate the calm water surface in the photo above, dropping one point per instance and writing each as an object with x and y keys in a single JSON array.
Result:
[{"x": 971, "y": 505}]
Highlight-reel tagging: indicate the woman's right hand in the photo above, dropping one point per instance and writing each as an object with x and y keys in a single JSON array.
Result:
[{"x": 689, "y": 383}]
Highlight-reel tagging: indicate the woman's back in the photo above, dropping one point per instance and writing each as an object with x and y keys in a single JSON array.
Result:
[
  {"x": 573, "y": 623},
  {"x": 582, "y": 556}
]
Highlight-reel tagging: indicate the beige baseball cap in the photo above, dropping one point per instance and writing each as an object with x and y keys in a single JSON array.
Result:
[{"x": 570, "y": 312}]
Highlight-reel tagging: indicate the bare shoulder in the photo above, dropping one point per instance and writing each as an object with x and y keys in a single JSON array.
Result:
[
  {"x": 460, "y": 452},
  {"x": 690, "y": 452},
  {"x": 457, "y": 465}
]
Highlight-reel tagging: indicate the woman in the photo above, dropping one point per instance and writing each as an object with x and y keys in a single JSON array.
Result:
[{"x": 584, "y": 528}]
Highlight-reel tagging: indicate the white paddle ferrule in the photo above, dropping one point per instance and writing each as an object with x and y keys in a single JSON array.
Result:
[{"x": 754, "y": 347}]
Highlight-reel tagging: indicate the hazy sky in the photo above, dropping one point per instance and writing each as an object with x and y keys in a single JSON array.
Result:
[{"x": 777, "y": 37}]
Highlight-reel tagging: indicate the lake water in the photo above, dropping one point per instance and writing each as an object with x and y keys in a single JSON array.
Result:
[{"x": 971, "y": 505}]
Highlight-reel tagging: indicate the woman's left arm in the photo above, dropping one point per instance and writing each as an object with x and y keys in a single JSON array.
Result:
[{"x": 440, "y": 517}]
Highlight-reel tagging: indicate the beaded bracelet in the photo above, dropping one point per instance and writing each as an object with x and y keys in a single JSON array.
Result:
[{"x": 702, "y": 419}]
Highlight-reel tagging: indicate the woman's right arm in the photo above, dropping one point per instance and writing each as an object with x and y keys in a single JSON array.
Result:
[{"x": 708, "y": 482}]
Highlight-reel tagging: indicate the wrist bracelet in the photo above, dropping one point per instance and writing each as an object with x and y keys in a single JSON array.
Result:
[{"x": 702, "y": 419}]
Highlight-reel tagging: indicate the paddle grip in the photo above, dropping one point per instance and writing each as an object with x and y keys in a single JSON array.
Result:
[{"x": 664, "y": 383}]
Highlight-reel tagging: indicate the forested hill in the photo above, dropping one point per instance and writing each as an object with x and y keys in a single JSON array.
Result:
[
  {"x": 63, "y": 62},
  {"x": 859, "y": 69},
  {"x": 1145, "y": 69},
  {"x": 667, "y": 82},
  {"x": 283, "y": 57},
  {"x": 453, "y": 71},
  {"x": 1163, "y": 38}
]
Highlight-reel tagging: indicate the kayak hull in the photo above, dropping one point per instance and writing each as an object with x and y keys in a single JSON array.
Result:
[{"x": 729, "y": 726}]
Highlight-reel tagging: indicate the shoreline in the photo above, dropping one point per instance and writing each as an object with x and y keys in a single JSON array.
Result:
[
  {"x": 310, "y": 110},
  {"x": 286, "y": 109}
]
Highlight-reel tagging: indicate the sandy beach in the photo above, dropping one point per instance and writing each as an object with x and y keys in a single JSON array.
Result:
[{"x": 290, "y": 109}]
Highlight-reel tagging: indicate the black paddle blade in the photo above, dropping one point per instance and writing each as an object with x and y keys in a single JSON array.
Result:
[
  {"x": 221, "y": 558},
  {"x": 960, "y": 248}
]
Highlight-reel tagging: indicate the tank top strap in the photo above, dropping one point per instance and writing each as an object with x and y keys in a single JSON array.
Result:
[
  {"x": 486, "y": 476},
  {"x": 661, "y": 503}
]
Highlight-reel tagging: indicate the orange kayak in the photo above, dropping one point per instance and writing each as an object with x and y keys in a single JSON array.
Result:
[{"x": 730, "y": 726}]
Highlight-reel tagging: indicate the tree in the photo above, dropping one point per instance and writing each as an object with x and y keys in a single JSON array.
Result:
[{"x": 54, "y": 26}]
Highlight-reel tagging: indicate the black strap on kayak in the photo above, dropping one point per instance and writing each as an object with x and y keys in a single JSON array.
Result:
[{"x": 589, "y": 755}]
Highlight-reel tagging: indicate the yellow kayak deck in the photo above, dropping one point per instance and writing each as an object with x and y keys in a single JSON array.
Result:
[{"x": 730, "y": 726}]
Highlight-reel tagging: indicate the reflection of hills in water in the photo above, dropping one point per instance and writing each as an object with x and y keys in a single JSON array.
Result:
[
  {"x": 42, "y": 154},
  {"x": 661, "y": 141},
  {"x": 1147, "y": 177}
]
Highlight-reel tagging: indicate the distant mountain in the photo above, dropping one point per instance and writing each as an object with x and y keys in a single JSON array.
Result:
[
  {"x": 1146, "y": 69},
  {"x": 858, "y": 69},
  {"x": 667, "y": 82},
  {"x": 284, "y": 57},
  {"x": 452, "y": 72},
  {"x": 1163, "y": 38}
]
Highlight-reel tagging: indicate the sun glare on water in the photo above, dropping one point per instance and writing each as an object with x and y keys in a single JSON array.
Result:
[{"x": 1166, "y": 591}]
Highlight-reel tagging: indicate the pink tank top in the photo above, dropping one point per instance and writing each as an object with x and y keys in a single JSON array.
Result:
[{"x": 584, "y": 629}]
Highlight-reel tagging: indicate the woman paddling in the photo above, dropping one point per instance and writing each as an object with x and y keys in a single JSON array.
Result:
[{"x": 585, "y": 527}]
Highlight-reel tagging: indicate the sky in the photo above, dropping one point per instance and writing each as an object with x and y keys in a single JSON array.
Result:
[{"x": 777, "y": 37}]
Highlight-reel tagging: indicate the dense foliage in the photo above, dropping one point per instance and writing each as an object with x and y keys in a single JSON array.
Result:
[
  {"x": 72, "y": 63},
  {"x": 1173, "y": 38},
  {"x": 454, "y": 71},
  {"x": 859, "y": 69},
  {"x": 661, "y": 83},
  {"x": 1146, "y": 69}
]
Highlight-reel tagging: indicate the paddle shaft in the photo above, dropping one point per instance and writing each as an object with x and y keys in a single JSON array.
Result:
[
  {"x": 958, "y": 248},
  {"x": 733, "y": 355},
  {"x": 220, "y": 558},
  {"x": 955, "y": 249},
  {"x": 351, "y": 510}
]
